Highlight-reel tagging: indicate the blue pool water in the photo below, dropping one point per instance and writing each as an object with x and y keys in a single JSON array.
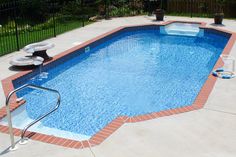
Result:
[{"x": 134, "y": 73}]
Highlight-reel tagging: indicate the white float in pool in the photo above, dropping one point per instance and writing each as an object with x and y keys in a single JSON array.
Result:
[{"x": 184, "y": 29}]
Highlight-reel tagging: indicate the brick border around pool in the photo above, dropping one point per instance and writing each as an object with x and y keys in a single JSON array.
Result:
[{"x": 119, "y": 121}]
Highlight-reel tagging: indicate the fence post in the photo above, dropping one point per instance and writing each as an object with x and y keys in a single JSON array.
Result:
[
  {"x": 191, "y": 1},
  {"x": 82, "y": 8},
  {"x": 149, "y": 8},
  {"x": 123, "y": 7},
  {"x": 107, "y": 16},
  {"x": 54, "y": 25},
  {"x": 108, "y": 8},
  {"x": 16, "y": 29},
  {"x": 53, "y": 18},
  {"x": 133, "y": 7},
  {"x": 17, "y": 36}
]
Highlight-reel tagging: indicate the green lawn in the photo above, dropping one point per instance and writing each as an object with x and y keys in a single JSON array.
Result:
[{"x": 8, "y": 42}]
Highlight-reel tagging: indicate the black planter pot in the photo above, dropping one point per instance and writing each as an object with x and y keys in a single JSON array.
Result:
[
  {"x": 160, "y": 14},
  {"x": 219, "y": 18}
]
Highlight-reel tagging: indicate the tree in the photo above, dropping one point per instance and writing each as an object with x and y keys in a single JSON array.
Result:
[{"x": 220, "y": 5}]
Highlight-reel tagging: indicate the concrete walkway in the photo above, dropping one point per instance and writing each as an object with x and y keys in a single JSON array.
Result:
[{"x": 209, "y": 132}]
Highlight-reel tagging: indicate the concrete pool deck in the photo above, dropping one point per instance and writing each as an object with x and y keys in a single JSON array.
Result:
[{"x": 210, "y": 131}]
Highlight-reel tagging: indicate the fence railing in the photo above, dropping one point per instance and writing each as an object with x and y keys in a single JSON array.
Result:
[
  {"x": 21, "y": 25},
  {"x": 27, "y": 21}
]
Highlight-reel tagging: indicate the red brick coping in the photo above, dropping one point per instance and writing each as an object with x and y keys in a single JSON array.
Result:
[{"x": 119, "y": 121}]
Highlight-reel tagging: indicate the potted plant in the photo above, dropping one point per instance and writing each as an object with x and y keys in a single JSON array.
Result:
[
  {"x": 160, "y": 13},
  {"x": 219, "y": 15}
]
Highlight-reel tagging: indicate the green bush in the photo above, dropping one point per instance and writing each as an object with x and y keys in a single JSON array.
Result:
[
  {"x": 74, "y": 8},
  {"x": 38, "y": 9},
  {"x": 118, "y": 12}
]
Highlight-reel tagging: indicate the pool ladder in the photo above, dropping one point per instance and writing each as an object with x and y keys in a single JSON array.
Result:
[{"x": 13, "y": 145}]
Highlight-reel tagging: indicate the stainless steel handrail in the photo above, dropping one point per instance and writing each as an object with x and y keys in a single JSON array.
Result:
[{"x": 32, "y": 123}]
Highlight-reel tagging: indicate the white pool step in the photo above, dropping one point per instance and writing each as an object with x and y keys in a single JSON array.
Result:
[{"x": 182, "y": 29}]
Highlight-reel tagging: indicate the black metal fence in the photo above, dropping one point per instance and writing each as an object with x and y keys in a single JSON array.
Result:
[
  {"x": 22, "y": 24},
  {"x": 27, "y": 21}
]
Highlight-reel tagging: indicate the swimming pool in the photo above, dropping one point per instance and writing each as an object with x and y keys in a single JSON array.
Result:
[{"x": 136, "y": 72}]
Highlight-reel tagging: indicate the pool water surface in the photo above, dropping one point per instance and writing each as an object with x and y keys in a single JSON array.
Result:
[{"x": 133, "y": 73}]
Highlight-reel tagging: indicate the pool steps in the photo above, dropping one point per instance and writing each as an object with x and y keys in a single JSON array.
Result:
[{"x": 182, "y": 29}]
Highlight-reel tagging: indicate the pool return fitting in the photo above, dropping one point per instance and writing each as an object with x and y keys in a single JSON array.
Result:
[
  {"x": 23, "y": 141},
  {"x": 225, "y": 74}
]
